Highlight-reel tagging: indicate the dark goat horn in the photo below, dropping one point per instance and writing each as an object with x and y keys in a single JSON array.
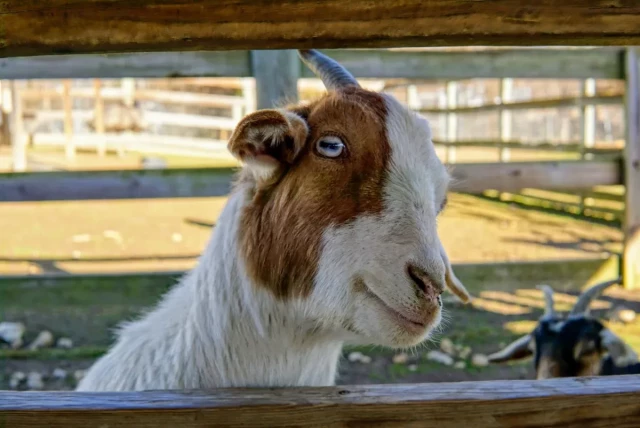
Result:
[
  {"x": 333, "y": 75},
  {"x": 548, "y": 300},
  {"x": 582, "y": 305}
]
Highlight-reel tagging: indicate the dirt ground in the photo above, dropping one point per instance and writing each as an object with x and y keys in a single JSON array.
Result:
[{"x": 168, "y": 235}]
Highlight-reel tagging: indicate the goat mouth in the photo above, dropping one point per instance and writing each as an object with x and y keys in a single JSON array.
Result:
[{"x": 408, "y": 323}]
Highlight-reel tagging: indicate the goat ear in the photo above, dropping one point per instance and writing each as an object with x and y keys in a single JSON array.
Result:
[
  {"x": 516, "y": 350},
  {"x": 451, "y": 281},
  {"x": 621, "y": 353},
  {"x": 268, "y": 140}
]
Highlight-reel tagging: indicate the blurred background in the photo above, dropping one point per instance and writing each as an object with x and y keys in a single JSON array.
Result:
[{"x": 71, "y": 270}]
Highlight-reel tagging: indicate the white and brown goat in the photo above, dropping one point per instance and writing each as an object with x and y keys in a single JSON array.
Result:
[
  {"x": 329, "y": 236},
  {"x": 572, "y": 345}
]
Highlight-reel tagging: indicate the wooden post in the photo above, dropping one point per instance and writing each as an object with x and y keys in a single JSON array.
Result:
[
  {"x": 18, "y": 138},
  {"x": 413, "y": 100},
  {"x": 631, "y": 256},
  {"x": 588, "y": 118},
  {"x": 67, "y": 101},
  {"x": 128, "y": 91},
  {"x": 98, "y": 116},
  {"x": 5, "y": 95},
  {"x": 249, "y": 94},
  {"x": 128, "y": 86},
  {"x": 588, "y": 123},
  {"x": 276, "y": 73},
  {"x": 452, "y": 122},
  {"x": 506, "y": 126},
  {"x": 442, "y": 118}
]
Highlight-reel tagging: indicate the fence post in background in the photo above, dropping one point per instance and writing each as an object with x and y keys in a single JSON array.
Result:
[
  {"x": 5, "y": 102},
  {"x": 128, "y": 91},
  {"x": 67, "y": 102},
  {"x": 98, "y": 117},
  {"x": 506, "y": 91},
  {"x": 631, "y": 255},
  {"x": 452, "y": 122},
  {"x": 588, "y": 116},
  {"x": 276, "y": 73},
  {"x": 413, "y": 100},
  {"x": 128, "y": 86},
  {"x": 249, "y": 94},
  {"x": 16, "y": 124}
]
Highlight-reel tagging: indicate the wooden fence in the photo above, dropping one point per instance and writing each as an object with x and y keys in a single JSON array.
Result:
[
  {"x": 566, "y": 403},
  {"x": 606, "y": 203},
  {"x": 562, "y": 184},
  {"x": 60, "y": 26},
  {"x": 600, "y": 166}
]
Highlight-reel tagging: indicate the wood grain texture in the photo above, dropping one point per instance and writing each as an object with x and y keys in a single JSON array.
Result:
[
  {"x": 605, "y": 63},
  {"x": 128, "y": 184},
  {"x": 203, "y": 182},
  {"x": 585, "y": 402},
  {"x": 631, "y": 260},
  {"x": 276, "y": 74},
  {"x": 563, "y": 102},
  {"x": 602, "y": 63},
  {"x": 514, "y": 176},
  {"x": 41, "y": 27}
]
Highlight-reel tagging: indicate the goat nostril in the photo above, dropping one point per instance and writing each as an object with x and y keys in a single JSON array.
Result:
[{"x": 422, "y": 280}]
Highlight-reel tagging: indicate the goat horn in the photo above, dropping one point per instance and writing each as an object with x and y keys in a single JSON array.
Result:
[
  {"x": 333, "y": 75},
  {"x": 516, "y": 350},
  {"x": 548, "y": 300},
  {"x": 582, "y": 305}
]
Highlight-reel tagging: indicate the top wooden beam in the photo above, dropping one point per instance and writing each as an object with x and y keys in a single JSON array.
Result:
[
  {"x": 426, "y": 63},
  {"x": 41, "y": 27}
]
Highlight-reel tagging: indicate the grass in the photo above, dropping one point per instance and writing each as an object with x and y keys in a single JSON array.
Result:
[
  {"x": 87, "y": 308},
  {"x": 80, "y": 353}
]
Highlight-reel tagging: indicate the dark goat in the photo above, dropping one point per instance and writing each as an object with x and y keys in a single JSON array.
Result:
[{"x": 572, "y": 345}]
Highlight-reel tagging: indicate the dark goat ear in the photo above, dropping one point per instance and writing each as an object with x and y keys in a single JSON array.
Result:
[
  {"x": 621, "y": 353},
  {"x": 516, "y": 350}
]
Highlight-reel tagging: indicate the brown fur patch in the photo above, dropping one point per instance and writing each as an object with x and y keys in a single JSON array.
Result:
[{"x": 281, "y": 228}]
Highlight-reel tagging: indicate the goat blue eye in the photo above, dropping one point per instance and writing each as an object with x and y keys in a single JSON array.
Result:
[{"x": 330, "y": 147}]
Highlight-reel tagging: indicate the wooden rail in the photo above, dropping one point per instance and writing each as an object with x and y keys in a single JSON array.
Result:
[
  {"x": 64, "y": 26},
  {"x": 128, "y": 184},
  {"x": 180, "y": 183},
  {"x": 569, "y": 402},
  {"x": 523, "y": 105},
  {"x": 170, "y": 97},
  {"x": 597, "y": 63}
]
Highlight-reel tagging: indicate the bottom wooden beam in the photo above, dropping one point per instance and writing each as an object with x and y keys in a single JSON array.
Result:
[{"x": 569, "y": 402}]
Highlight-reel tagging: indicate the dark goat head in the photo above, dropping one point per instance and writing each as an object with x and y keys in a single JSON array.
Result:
[{"x": 569, "y": 345}]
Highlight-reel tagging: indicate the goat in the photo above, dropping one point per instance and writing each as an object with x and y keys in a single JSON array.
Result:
[
  {"x": 573, "y": 345},
  {"x": 328, "y": 237}
]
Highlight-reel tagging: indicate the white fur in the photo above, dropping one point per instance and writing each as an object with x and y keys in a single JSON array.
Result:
[
  {"x": 217, "y": 329},
  {"x": 377, "y": 248}
]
